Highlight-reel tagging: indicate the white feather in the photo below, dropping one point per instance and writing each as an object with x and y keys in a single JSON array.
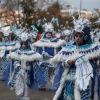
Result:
[
  {"x": 10, "y": 47},
  {"x": 26, "y": 56},
  {"x": 19, "y": 84},
  {"x": 91, "y": 55},
  {"x": 15, "y": 47},
  {"x": 2, "y": 47},
  {"x": 84, "y": 73},
  {"x": 48, "y": 44}
]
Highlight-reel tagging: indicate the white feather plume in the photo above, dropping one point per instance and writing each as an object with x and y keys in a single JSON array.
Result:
[
  {"x": 75, "y": 53},
  {"x": 46, "y": 43},
  {"x": 19, "y": 84},
  {"x": 26, "y": 56},
  {"x": 84, "y": 73},
  {"x": 12, "y": 46}
]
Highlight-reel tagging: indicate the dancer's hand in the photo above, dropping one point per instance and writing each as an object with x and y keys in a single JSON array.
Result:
[
  {"x": 47, "y": 56},
  {"x": 71, "y": 62}
]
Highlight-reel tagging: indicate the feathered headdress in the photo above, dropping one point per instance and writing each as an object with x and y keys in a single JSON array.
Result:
[
  {"x": 66, "y": 32},
  {"x": 18, "y": 32},
  {"x": 48, "y": 27},
  {"x": 24, "y": 37},
  {"x": 6, "y": 33},
  {"x": 34, "y": 32},
  {"x": 82, "y": 26}
]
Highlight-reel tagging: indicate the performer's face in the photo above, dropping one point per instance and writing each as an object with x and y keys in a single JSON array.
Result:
[
  {"x": 32, "y": 41},
  {"x": 6, "y": 39},
  {"x": 79, "y": 39},
  {"x": 66, "y": 38},
  {"x": 18, "y": 39},
  {"x": 48, "y": 35},
  {"x": 24, "y": 47}
]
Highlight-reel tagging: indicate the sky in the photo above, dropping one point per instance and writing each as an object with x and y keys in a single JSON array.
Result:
[{"x": 86, "y": 4}]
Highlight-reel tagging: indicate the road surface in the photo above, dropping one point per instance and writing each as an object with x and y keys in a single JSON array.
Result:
[{"x": 7, "y": 94}]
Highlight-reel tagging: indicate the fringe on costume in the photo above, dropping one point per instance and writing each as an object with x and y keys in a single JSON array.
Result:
[
  {"x": 10, "y": 47},
  {"x": 46, "y": 43},
  {"x": 29, "y": 56},
  {"x": 90, "y": 51}
]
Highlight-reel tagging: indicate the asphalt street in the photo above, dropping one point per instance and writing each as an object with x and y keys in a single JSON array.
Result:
[{"x": 7, "y": 94}]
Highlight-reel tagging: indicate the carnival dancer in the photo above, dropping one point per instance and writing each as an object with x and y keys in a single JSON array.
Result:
[
  {"x": 25, "y": 73},
  {"x": 7, "y": 46},
  {"x": 66, "y": 34},
  {"x": 96, "y": 36},
  {"x": 78, "y": 79},
  {"x": 1, "y": 35},
  {"x": 47, "y": 46},
  {"x": 96, "y": 40},
  {"x": 18, "y": 33},
  {"x": 33, "y": 35}
]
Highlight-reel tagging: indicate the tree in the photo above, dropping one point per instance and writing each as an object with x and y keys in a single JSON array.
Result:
[
  {"x": 54, "y": 11},
  {"x": 10, "y": 4},
  {"x": 28, "y": 7},
  {"x": 10, "y": 7}
]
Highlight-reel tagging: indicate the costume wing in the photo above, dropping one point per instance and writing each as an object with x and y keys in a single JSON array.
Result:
[
  {"x": 84, "y": 73},
  {"x": 19, "y": 84}
]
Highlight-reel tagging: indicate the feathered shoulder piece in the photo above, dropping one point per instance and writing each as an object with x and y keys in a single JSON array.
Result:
[
  {"x": 9, "y": 46},
  {"x": 89, "y": 51},
  {"x": 24, "y": 55},
  {"x": 55, "y": 43}
]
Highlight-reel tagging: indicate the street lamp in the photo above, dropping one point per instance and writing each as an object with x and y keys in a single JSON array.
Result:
[{"x": 80, "y": 5}]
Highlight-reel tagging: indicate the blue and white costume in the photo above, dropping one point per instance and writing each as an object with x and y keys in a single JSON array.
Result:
[
  {"x": 50, "y": 47},
  {"x": 67, "y": 37},
  {"x": 96, "y": 40},
  {"x": 6, "y": 48},
  {"x": 78, "y": 80},
  {"x": 25, "y": 73}
]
